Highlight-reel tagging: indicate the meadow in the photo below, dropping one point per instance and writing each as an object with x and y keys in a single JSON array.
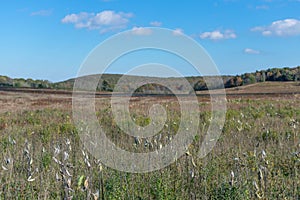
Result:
[{"x": 256, "y": 157}]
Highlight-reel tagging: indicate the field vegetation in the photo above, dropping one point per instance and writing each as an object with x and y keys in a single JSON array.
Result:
[{"x": 256, "y": 157}]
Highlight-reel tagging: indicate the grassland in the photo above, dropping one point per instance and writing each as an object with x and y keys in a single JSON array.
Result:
[{"x": 256, "y": 157}]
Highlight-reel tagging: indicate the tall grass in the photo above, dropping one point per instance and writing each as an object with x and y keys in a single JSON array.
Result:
[{"x": 257, "y": 156}]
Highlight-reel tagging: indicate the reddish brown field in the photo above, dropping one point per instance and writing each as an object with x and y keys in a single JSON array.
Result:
[{"x": 28, "y": 99}]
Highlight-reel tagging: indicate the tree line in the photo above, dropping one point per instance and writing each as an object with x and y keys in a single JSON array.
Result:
[{"x": 108, "y": 81}]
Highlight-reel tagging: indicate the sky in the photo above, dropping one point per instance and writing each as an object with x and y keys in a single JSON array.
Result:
[{"x": 50, "y": 39}]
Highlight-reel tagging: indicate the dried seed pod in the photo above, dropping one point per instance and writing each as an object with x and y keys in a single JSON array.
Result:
[
  {"x": 68, "y": 173},
  {"x": 66, "y": 156},
  {"x": 96, "y": 195},
  {"x": 30, "y": 179},
  {"x": 193, "y": 162},
  {"x": 86, "y": 183},
  {"x": 188, "y": 153},
  {"x": 57, "y": 177}
]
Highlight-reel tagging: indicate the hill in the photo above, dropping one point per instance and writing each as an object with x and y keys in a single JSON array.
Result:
[{"x": 108, "y": 81}]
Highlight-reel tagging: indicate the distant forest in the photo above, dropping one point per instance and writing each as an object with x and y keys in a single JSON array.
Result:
[{"x": 108, "y": 81}]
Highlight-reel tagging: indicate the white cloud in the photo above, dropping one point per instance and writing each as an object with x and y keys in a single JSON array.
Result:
[
  {"x": 286, "y": 27},
  {"x": 42, "y": 13},
  {"x": 178, "y": 32},
  {"x": 218, "y": 35},
  {"x": 141, "y": 31},
  {"x": 251, "y": 51},
  {"x": 104, "y": 21},
  {"x": 155, "y": 23}
]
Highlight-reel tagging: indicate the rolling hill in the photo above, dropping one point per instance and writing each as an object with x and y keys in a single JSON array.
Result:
[{"x": 108, "y": 81}]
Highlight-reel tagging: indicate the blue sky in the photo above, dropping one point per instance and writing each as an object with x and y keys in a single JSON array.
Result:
[{"x": 49, "y": 39}]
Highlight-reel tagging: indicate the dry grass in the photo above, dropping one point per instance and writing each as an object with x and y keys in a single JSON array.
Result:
[{"x": 256, "y": 157}]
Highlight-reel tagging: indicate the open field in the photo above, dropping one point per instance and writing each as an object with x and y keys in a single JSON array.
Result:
[{"x": 256, "y": 157}]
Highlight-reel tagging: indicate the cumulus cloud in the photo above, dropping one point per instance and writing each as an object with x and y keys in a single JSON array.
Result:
[
  {"x": 141, "y": 31},
  {"x": 286, "y": 27},
  {"x": 42, "y": 13},
  {"x": 218, "y": 35},
  {"x": 155, "y": 23},
  {"x": 178, "y": 31},
  {"x": 251, "y": 51},
  {"x": 104, "y": 21}
]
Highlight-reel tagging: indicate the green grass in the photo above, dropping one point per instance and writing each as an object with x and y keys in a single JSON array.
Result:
[{"x": 29, "y": 139}]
